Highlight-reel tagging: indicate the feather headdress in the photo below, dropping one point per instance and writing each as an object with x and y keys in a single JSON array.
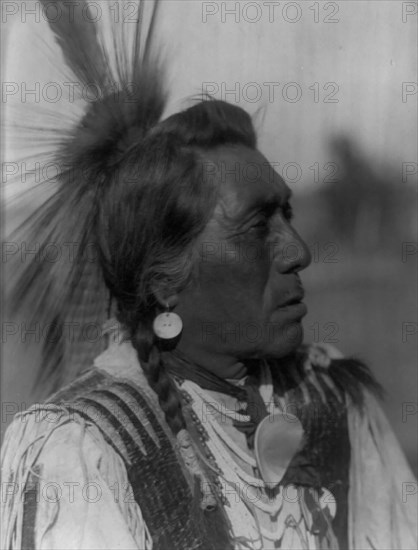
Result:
[{"x": 61, "y": 287}]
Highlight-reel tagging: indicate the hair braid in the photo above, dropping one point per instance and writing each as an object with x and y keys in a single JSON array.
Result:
[
  {"x": 169, "y": 400},
  {"x": 160, "y": 382}
]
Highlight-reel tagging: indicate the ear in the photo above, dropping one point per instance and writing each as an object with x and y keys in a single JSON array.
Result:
[{"x": 165, "y": 298}]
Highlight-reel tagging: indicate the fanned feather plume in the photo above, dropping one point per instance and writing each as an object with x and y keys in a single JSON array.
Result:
[
  {"x": 77, "y": 35},
  {"x": 66, "y": 296}
]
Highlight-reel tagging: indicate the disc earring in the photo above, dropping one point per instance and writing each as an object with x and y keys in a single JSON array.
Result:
[{"x": 167, "y": 325}]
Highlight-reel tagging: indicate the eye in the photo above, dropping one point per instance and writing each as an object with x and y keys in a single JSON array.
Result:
[
  {"x": 261, "y": 223},
  {"x": 287, "y": 212},
  {"x": 260, "y": 226}
]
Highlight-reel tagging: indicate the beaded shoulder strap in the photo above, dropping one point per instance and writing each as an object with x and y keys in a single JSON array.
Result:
[{"x": 130, "y": 426}]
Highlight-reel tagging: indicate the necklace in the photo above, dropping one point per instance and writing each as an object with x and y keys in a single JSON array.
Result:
[{"x": 256, "y": 513}]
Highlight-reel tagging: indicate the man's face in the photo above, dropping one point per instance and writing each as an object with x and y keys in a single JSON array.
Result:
[{"x": 245, "y": 300}]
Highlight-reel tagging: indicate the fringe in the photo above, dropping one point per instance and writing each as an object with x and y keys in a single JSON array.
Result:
[
  {"x": 24, "y": 442},
  {"x": 191, "y": 461}
]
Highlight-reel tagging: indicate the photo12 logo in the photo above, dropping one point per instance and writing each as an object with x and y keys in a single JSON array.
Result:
[
  {"x": 69, "y": 11},
  {"x": 270, "y": 12},
  {"x": 273, "y": 91}
]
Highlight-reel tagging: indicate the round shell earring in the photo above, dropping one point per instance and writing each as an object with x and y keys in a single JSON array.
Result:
[{"x": 167, "y": 325}]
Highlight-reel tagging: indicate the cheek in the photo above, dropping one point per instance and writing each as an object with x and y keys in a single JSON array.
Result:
[{"x": 234, "y": 277}]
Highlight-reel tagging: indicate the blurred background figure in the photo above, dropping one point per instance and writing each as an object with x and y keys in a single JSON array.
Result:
[{"x": 333, "y": 87}]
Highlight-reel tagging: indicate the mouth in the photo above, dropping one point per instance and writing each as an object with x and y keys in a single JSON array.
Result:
[
  {"x": 293, "y": 300},
  {"x": 293, "y": 305}
]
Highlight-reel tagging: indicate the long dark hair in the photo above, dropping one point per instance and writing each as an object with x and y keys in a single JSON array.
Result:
[{"x": 157, "y": 203}]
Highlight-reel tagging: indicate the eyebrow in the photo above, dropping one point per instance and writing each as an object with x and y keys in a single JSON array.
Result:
[{"x": 267, "y": 204}]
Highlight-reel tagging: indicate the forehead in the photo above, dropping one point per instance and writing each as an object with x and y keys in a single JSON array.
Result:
[{"x": 246, "y": 178}]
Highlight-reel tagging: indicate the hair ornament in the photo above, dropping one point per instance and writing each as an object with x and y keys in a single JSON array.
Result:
[{"x": 68, "y": 297}]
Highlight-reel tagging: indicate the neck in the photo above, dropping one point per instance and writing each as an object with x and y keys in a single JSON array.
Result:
[{"x": 222, "y": 365}]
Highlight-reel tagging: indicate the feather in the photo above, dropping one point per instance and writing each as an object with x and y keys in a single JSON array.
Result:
[
  {"x": 353, "y": 377},
  {"x": 73, "y": 24},
  {"x": 66, "y": 294}
]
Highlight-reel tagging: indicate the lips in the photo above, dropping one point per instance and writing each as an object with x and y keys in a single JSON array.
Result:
[
  {"x": 293, "y": 299},
  {"x": 293, "y": 305}
]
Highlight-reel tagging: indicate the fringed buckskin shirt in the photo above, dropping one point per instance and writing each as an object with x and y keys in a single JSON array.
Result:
[{"x": 66, "y": 486}]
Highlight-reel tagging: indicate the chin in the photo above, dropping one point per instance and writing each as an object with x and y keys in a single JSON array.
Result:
[{"x": 285, "y": 342}]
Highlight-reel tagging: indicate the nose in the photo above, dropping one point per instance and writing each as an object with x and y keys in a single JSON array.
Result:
[{"x": 295, "y": 254}]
